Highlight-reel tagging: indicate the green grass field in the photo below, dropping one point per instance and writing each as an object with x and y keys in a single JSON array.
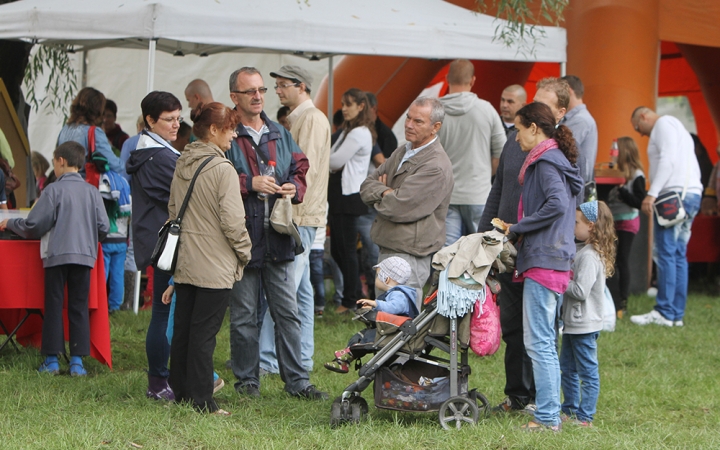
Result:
[{"x": 660, "y": 389}]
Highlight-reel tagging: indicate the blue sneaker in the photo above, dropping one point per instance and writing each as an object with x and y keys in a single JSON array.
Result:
[
  {"x": 76, "y": 367},
  {"x": 50, "y": 365}
]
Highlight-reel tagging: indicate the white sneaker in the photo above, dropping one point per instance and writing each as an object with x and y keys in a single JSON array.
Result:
[
  {"x": 678, "y": 323},
  {"x": 651, "y": 317}
]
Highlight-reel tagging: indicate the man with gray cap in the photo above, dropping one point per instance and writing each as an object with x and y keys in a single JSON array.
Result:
[{"x": 311, "y": 131}]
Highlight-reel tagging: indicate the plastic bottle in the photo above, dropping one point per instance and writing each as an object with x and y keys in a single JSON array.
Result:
[
  {"x": 268, "y": 172},
  {"x": 614, "y": 151}
]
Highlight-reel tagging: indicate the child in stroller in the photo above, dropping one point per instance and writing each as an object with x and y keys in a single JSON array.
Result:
[{"x": 398, "y": 299}]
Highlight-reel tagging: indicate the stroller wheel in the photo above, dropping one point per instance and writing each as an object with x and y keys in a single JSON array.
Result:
[
  {"x": 355, "y": 413},
  {"x": 458, "y": 411},
  {"x": 482, "y": 402},
  {"x": 335, "y": 415},
  {"x": 357, "y": 400}
]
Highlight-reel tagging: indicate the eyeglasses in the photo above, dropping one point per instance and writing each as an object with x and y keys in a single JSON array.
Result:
[
  {"x": 252, "y": 92},
  {"x": 170, "y": 120},
  {"x": 285, "y": 86}
]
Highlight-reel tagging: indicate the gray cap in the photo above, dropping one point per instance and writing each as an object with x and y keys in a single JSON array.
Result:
[
  {"x": 395, "y": 268},
  {"x": 296, "y": 73}
]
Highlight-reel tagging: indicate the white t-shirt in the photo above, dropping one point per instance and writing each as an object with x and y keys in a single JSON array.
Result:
[{"x": 352, "y": 154}]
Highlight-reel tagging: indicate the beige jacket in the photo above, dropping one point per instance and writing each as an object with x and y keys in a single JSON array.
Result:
[
  {"x": 311, "y": 131},
  {"x": 411, "y": 219},
  {"x": 214, "y": 244}
]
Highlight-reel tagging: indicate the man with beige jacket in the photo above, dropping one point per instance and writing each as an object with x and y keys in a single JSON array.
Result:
[{"x": 311, "y": 131}]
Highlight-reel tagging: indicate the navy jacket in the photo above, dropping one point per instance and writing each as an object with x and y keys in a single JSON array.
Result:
[
  {"x": 292, "y": 165},
  {"x": 549, "y": 200},
  {"x": 151, "y": 166}
]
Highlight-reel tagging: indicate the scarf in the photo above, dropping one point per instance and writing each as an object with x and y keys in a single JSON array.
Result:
[{"x": 534, "y": 155}]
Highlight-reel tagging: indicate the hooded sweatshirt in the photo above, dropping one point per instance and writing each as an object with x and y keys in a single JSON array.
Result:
[
  {"x": 582, "y": 309},
  {"x": 548, "y": 223},
  {"x": 472, "y": 134},
  {"x": 151, "y": 166}
]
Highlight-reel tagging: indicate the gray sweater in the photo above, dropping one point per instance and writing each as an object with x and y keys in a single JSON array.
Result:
[
  {"x": 70, "y": 218},
  {"x": 505, "y": 193},
  {"x": 582, "y": 309}
]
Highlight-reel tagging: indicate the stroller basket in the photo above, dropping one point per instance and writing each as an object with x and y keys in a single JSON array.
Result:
[{"x": 416, "y": 386}]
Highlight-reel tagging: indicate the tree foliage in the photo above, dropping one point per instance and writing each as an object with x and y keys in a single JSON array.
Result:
[
  {"x": 61, "y": 84},
  {"x": 520, "y": 25}
]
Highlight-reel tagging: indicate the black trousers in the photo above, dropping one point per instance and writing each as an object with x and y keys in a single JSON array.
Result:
[
  {"x": 77, "y": 279},
  {"x": 519, "y": 381},
  {"x": 343, "y": 247},
  {"x": 199, "y": 313},
  {"x": 622, "y": 269}
]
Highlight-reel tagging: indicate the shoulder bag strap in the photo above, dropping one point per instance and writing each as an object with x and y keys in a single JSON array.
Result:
[
  {"x": 91, "y": 141},
  {"x": 179, "y": 217}
]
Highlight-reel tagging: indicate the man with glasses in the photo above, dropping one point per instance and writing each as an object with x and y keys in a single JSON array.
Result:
[
  {"x": 311, "y": 131},
  {"x": 673, "y": 168},
  {"x": 261, "y": 141}
]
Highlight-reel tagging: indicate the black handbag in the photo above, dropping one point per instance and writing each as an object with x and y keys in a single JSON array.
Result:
[{"x": 164, "y": 256}]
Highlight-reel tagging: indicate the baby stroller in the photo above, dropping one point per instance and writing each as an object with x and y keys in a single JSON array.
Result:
[{"x": 415, "y": 367}]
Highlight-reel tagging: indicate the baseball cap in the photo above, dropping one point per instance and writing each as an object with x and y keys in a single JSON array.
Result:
[
  {"x": 395, "y": 268},
  {"x": 294, "y": 73}
]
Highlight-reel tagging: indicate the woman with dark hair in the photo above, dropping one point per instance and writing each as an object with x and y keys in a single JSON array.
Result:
[
  {"x": 86, "y": 111},
  {"x": 349, "y": 160},
  {"x": 151, "y": 167},
  {"x": 550, "y": 183},
  {"x": 215, "y": 248}
]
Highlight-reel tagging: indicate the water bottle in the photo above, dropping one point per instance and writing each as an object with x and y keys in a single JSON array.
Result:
[
  {"x": 614, "y": 151},
  {"x": 268, "y": 172}
]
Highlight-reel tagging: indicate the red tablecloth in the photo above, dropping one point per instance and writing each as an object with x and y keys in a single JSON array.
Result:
[
  {"x": 704, "y": 245},
  {"x": 22, "y": 286}
]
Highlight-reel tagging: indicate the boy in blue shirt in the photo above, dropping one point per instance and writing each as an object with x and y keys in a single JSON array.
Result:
[
  {"x": 69, "y": 219},
  {"x": 397, "y": 299}
]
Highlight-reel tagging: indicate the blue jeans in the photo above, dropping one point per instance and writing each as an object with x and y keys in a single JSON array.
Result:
[
  {"x": 539, "y": 311},
  {"x": 671, "y": 259},
  {"x": 306, "y": 311},
  {"x": 580, "y": 375},
  {"x": 114, "y": 258},
  {"x": 462, "y": 220},
  {"x": 317, "y": 277},
  {"x": 157, "y": 347},
  {"x": 279, "y": 285}
]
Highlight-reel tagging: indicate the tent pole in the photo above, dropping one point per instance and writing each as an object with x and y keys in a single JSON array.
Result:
[
  {"x": 330, "y": 90},
  {"x": 151, "y": 65},
  {"x": 563, "y": 69}
]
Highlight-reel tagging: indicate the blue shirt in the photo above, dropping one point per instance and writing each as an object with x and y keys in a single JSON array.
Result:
[{"x": 410, "y": 152}]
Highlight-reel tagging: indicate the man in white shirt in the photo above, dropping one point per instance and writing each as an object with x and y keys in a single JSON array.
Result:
[{"x": 673, "y": 168}]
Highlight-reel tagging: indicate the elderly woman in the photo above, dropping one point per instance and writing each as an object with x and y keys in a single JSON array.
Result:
[
  {"x": 550, "y": 183},
  {"x": 349, "y": 161},
  {"x": 86, "y": 111},
  {"x": 151, "y": 167},
  {"x": 214, "y": 249}
]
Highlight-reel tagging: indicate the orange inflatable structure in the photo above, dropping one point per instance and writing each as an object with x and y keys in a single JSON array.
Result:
[{"x": 628, "y": 53}]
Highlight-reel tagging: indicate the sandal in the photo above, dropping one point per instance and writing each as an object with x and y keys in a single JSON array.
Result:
[
  {"x": 338, "y": 366},
  {"x": 533, "y": 426},
  {"x": 340, "y": 353},
  {"x": 221, "y": 412}
]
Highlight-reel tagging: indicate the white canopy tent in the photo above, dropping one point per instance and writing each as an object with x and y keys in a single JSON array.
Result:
[
  {"x": 410, "y": 28},
  {"x": 313, "y": 29}
]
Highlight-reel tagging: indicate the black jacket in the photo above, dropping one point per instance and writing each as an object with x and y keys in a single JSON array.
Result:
[{"x": 152, "y": 167}]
